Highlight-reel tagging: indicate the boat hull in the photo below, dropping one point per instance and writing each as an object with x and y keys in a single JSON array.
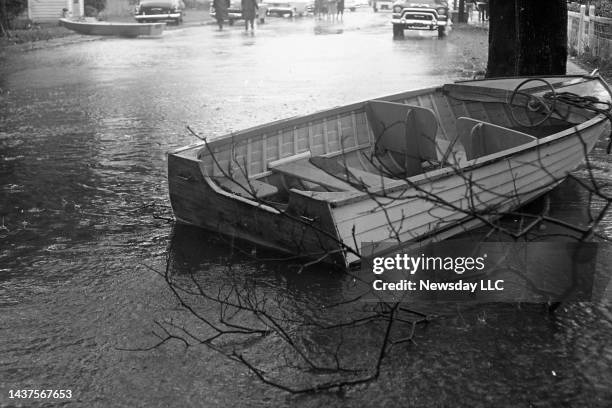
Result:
[
  {"x": 129, "y": 30},
  {"x": 330, "y": 223}
]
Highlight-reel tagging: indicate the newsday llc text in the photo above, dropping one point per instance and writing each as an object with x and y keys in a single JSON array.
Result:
[{"x": 460, "y": 270}]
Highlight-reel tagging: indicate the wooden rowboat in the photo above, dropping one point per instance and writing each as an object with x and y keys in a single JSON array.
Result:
[
  {"x": 94, "y": 27},
  {"x": 414, "y": 166}
]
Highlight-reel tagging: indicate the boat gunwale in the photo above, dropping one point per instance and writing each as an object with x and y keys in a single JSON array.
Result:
[{"x": 588, "y": 76}]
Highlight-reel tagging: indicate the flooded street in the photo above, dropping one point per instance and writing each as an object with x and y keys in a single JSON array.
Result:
[{"x": 84, "y": 131}]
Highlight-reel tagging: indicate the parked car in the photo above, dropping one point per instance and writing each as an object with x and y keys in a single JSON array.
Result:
[
  {"x": 160, "y": 10},
  {"x": 234, "y": 11},
  {"x": 425, "y": 15},
  {"x": 288, "y": 8}
]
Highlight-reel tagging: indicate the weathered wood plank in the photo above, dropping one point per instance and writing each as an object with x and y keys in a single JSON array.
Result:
[
  {"x": 304, "y": 170},
  {"x": 356, "y": 177}
]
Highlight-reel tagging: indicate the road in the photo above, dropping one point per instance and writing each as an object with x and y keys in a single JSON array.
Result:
[{"x": 85, "y": 129}]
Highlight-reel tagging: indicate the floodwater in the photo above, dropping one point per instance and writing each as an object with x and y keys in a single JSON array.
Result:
[{"x": 84, "y": 207}]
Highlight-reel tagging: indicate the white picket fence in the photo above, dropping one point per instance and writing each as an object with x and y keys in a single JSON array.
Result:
[{"x": 589, "y": 34}]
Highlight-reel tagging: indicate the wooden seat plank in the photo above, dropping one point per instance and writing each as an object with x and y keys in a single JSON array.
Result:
[
  {"x": 247, "y": 188},
  {"x": 351, "y": 175},
  {"x": 304, "y": 170}
]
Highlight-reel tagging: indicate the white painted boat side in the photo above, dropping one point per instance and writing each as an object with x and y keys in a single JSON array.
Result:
[
  {"x": 114, "y": 29},
  {"x": 370, "y": 221}
]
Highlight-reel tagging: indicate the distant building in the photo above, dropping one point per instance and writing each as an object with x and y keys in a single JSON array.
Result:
[{"x": 51, "y": 10}]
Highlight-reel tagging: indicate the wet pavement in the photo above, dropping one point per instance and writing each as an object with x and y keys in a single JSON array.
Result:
[{"x": 84, "y": 131}]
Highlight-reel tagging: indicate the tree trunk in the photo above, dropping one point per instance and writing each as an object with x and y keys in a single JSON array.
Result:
[{"x": 527, "y": 38}]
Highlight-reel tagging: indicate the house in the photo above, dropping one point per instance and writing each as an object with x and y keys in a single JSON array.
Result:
[{"x": 40, "y": 11}]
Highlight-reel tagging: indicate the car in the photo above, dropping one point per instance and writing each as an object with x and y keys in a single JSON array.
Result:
[
  {"x": 288, "y": 8},
  {"x": 160, "y": 10},
  {"x": 425, "y": 15},
  {"x": 353, "y": 5},
  {"x": 382, "y": 5},
  {"x": 234, "y": 11}
]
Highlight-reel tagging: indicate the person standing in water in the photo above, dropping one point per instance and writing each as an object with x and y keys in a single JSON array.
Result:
[
  {"x": 249, "y": 8},
  {"x": 221, "y": 7},
  {"x": 332, "y": 8}
]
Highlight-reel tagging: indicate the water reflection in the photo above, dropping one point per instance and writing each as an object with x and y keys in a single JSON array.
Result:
[{"x": 193, "y": 250}]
